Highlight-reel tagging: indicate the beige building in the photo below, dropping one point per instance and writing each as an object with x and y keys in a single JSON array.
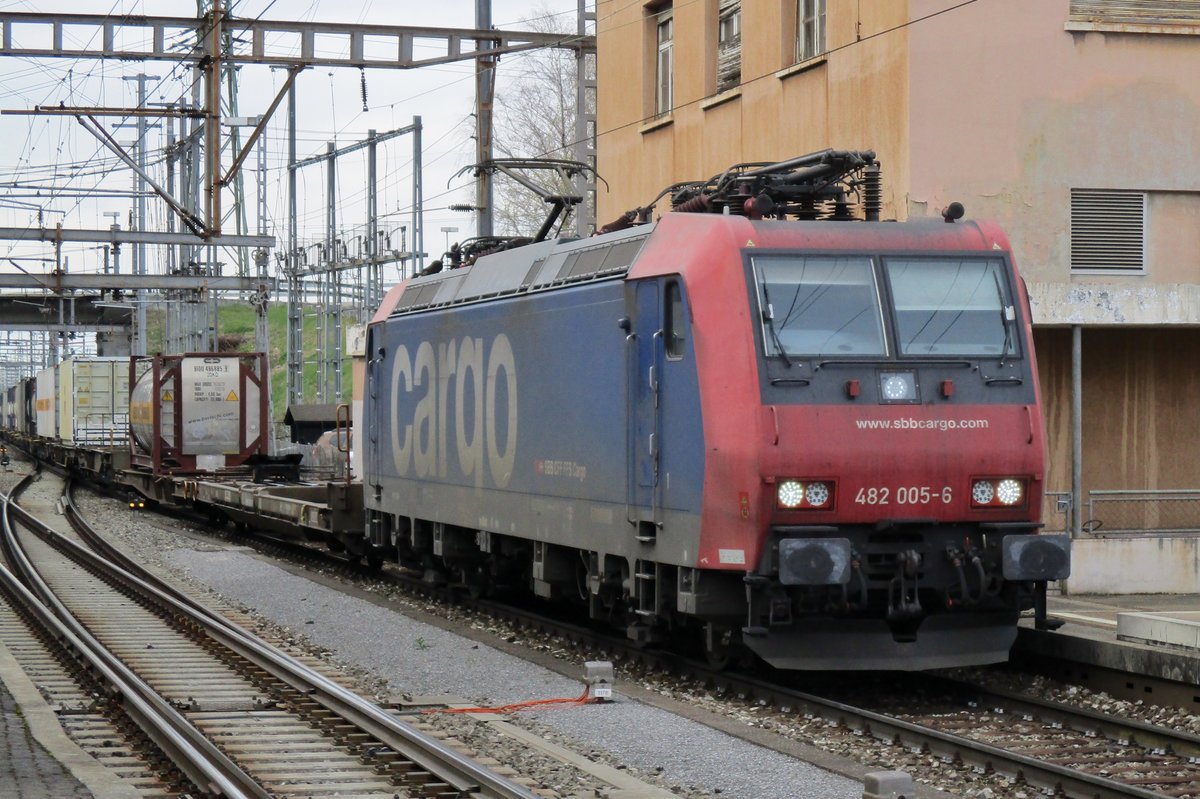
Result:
[{"x": 1075, "y": 123}]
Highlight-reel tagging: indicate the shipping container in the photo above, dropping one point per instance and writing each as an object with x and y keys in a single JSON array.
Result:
[
  {"x": 94, "y": 401},
  {"x": 46, "y": 394},
  {"x": 27, "y": 406}
]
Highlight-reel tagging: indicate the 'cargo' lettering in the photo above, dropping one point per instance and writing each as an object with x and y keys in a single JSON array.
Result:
[{"x": 455, "y": 405}]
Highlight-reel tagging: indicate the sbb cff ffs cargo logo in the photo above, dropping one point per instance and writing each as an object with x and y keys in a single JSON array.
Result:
[{"x": 455, "y": 398}]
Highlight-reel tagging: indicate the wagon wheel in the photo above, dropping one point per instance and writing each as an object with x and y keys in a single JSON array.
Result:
[{"x": 477, "y": 580}]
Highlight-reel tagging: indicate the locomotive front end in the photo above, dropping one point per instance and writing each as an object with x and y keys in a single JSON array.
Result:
[{"x": 903, "y": 463}]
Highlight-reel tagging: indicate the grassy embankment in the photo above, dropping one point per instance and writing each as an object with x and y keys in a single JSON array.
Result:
[{"x": 236, "y": 324}]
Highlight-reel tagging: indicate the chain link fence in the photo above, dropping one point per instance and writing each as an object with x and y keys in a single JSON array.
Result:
[{"x": 1129, "y": 512}]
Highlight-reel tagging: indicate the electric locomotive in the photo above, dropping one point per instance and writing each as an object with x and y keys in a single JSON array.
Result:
[{"x": 765, "y": 422}]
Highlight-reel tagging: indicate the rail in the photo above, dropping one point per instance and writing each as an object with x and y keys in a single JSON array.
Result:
[
  {"x": 465, "y": 774},
  {"x": 195, "y": 756}
]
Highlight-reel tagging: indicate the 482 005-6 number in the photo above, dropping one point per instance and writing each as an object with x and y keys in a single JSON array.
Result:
[{"x": 903, "y": 495}]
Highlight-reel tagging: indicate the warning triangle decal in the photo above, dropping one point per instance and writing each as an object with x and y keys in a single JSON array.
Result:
[
  {"x": 167, "y": 396},
  {"x": 232, "y": 397}
]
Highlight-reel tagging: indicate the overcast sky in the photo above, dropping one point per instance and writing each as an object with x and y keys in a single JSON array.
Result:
[{"x": 54, "y": 150}]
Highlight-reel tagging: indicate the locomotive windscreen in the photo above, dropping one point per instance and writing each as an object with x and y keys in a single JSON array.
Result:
[
  {"x": 820, "y": 305},
  {"x": 951, "y": 306},
  {"x": 837, "y": 306}
]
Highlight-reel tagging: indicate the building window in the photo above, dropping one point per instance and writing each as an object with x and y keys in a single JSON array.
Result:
[
  {"x": 664, "y": 73},
  {"x": 1108, "y": 230},
  {"x": 810, "y": 29},
  {"x": 729, "y": 45},
  {"x": 1157, "y": 13}
]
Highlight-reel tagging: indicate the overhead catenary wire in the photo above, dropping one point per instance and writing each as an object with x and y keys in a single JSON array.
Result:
[{"x": 275, "y": 163}]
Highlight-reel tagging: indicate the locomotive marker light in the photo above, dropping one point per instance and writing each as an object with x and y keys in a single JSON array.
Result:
[
  {"x": 898, "y": 387},
  {"x": 982, "y": 492}
]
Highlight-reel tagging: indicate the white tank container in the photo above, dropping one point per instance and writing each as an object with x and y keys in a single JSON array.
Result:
[{"x": 206, "y": 394}]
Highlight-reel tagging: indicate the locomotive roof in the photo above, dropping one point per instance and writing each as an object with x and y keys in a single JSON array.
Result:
[
  {"x": 561, "y": 262},
  {"x": 534, "y": 267}
]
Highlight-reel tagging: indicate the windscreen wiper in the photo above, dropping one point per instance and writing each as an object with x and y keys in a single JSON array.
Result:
[
  {"x": 769, "y": 317},
  {"x": 1007, "y": 316}
]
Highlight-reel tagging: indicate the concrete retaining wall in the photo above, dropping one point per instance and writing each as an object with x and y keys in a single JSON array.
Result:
[{"x": 1158, "y": 565}]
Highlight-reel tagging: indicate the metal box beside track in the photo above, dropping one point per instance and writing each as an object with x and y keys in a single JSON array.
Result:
[
  {"x": 93, "y": 397},
  {"x": 198, "y": 412}
]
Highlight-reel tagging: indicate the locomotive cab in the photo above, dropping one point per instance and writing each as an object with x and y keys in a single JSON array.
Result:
[{"x": 904, "y": 473}]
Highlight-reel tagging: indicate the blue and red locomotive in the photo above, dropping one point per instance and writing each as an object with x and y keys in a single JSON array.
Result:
[{"x": 759, "y": 422}]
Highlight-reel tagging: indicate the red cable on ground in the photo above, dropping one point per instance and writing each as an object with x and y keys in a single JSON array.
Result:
[{"x": 514, "y": 707}]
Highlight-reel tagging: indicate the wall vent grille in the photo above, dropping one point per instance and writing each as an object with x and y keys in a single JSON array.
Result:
[{"x": 1108, "y": 229}]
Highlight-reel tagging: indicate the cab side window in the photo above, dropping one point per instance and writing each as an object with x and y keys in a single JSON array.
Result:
[{"x": 675, "y": 322}]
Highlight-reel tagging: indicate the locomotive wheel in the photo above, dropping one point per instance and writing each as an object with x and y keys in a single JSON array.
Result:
[{"x": 723, "y": 648}]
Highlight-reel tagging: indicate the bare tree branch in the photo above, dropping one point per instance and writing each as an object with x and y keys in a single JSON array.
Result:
[{"x": 535, "y": 118}]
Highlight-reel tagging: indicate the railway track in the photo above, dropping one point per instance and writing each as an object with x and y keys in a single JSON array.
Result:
[
  {"x": 1056, "y": 748},
  {"x": 1050, "y": 746},
  {"x": 190, "y": 702},
  {"x": 1053, "y": 747}
]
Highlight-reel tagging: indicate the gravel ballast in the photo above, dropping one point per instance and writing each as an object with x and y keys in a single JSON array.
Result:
[
  {"x": 419, "y": 659},
  {"x": 394, "y": 655}
]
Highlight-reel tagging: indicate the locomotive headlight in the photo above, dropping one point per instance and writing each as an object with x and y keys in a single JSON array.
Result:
[
  {"x": 998, "y": 492},
  {"x": 790, "y": 493},
  {"x": 1009, "y": 492},
  {"x": 817, "y": 494},
  {"x": 982, "y": 493},
  {"x": 798, "y": 493}
]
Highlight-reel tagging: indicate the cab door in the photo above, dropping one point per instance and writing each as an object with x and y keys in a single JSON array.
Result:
[
  {"x": 373, "y": 460},
  {"x": 644, "y": 348}
]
